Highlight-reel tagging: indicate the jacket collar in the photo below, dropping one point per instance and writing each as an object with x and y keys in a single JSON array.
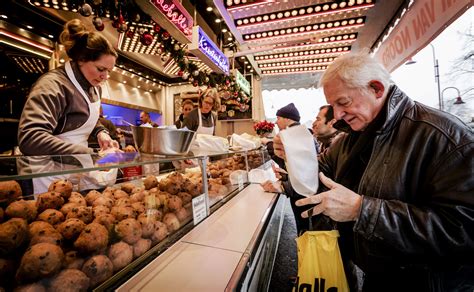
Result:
[
  {"x": 80, "y": 77},
  {"x": 396, "y": 99}
]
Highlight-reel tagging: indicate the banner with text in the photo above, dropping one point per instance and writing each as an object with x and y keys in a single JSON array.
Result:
[
  {"x": 425, "y": 20},
  {"x": 242, "y": 82},
  {"x": 208, "y": 52}
]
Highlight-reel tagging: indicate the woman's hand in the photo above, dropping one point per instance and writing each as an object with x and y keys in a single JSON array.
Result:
[
  {"x": 339, "y": 203},
  {"x": 105, "y": 142}
]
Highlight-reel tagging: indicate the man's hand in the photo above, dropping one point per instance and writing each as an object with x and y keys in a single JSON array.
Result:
[
  {"x": 278, "y": 147},
  {"x": 272, "y": 187},
  {"x": 105, "y": 142},
  {"x": 339, "y": 203}
]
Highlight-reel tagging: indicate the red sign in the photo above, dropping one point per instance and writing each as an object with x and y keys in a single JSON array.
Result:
[
  {"x": 172, "y": 16},
  {"x": 425, "y": 20}
]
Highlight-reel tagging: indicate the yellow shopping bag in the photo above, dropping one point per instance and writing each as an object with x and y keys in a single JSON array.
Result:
[{"x": 319, "y": 263}]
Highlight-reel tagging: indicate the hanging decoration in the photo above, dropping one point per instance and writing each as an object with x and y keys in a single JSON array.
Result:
[{"x": 129, "y": 19}]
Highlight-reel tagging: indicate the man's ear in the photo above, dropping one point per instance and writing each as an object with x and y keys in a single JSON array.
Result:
[
  {"x": 377, "y": 87},
  {"x": 331, "y": 122}
]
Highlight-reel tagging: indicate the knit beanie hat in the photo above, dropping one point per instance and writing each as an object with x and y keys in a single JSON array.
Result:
[{"x": 290, "y": 112}]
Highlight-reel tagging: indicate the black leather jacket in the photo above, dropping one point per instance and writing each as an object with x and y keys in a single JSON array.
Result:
[{"x": 417, "y": 216}]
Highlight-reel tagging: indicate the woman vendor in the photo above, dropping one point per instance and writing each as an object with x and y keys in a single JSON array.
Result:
[
  {"x": 62, "y": 109},
  {"x": 202, "y": 119}
]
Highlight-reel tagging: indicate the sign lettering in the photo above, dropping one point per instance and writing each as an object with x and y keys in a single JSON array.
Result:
[
  {"x": 203, "y": 47},
  {"x": 422, "y": 23},
  {"x": 242, "y": 82},
  {"x": 176, "y": 14}
]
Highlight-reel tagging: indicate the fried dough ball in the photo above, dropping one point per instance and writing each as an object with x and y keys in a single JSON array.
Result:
[
  {"x": 103, "y": 201},
  {"x": 129, "y": 230},
  {"x": 160, "y": 233},
  {"x": 171, "y": 221},
  {"x": 183, "y": 215},
  {"x": 176, "y": 177},
  {"x": 39, "y": 261},
  {"x": 137, "y": 197},
  {"x": 98, "y": 268},
  {"x": 22, "y": 209},
  {"x": 185, "y": 197},
  {"x": 71, "y": 228},
  {"x": 9, "y": 191},
  {"x": 192, "y": 188},
  {"x": 36, "y": 227},
  {"x": 123, "y": 212},
  {"x": 51, "y": 216},
  {"x": 121, "y": 254},
  {"x": 127, "y": 187},
  {"x": 150, "y": 182},
  {"x": 140, "y": 247},
  {"x": 66, "y": 208},
  {"x": 137, "y": 189},
  {"x": 13, "y": 233},
  {"x": 107, "y": 220},
  {"x": 62, "y": 186},
  {"x": 139, "y": 207},
  {"x": 119, "y": 194},
  {"x": 175, "y": 203},
  {"x": 172, "y": 188},
  {"x": 48, "y": 236},
  {"x": 33, "y": 287},
  {"x": 152, "y": 202},
  {"x": 92, "y": 196},
  {"x": 7, "y": 269},
  {"x": 72, "y": 260},
  {"x": 70, "y": 280},
  {"x": 123, "y": 202},
  {"x": 152, "y": 213},
  {"x": 78, "y": 199},
  {"x": 148, "y": 225},
  {"x": 49, "y": 200},
  {"x": 100, "y": 210},
  {"x": 82, "y": 213},
  {"x": 93, "y": 238}
]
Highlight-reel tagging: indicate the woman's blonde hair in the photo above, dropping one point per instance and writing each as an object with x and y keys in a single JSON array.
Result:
[
  {"x": 83, "y": 45},
  {"x": 212, "y": 93}
]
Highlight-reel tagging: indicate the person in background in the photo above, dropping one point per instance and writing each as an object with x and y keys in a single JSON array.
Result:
[
  {"x": 146, "y": 120},
  {"x": 323, "y": 128},
  {"x": 186, "y": 107},
  {"x": 202, "y": 119},
  {"x": 400, "y": 184},
  {"x": 62, "y": 109},
  {"x": 287, "y": 117}
]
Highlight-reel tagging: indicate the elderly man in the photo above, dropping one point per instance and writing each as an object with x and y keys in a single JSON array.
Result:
[
  {"x": 323, "y": 129},
  {"x": 400, "y": 184}
]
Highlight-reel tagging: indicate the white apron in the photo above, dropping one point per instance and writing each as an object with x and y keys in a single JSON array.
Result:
[
  {"x": 205, "y": 130},
  {"x": 95, "y": 179}
]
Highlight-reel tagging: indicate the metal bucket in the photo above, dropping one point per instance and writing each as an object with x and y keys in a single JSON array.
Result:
[{"x": 162, "y": 141}]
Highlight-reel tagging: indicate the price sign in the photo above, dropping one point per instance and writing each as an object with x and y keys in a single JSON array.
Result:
[{"x": 199, "y": 208}]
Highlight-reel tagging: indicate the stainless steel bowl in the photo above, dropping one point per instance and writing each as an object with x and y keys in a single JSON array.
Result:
[{"x": 162, "y": 141}]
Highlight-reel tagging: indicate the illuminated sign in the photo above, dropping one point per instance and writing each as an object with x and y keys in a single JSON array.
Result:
[
  {"x": 172, "y": 16},
  {"x": 208, "y": 52},
  {"x": 242, "y": 82}
]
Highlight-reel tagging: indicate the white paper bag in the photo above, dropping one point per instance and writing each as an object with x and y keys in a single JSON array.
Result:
[
  {"x": 301, "y": 159},
  {"x": 245, "y": 141},
  {"x": 210, "y": 143}
]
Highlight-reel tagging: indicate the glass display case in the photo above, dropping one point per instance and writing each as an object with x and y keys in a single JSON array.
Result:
[{"x": 93, "y": 221}]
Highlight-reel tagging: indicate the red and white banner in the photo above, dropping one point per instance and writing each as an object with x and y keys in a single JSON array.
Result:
[{"x": 423, "y": 22}]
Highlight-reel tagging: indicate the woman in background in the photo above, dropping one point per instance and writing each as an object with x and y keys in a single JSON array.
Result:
[
  {"x": 202, "y": 119},
  {"x": 186, "y": 107}
]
